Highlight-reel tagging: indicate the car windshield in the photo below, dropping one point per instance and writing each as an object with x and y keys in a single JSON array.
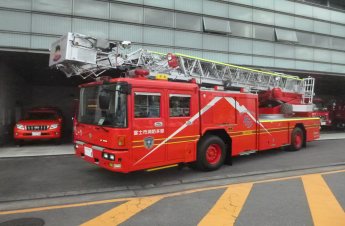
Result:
[
  {"x": 92, "y": 112},
  {"x": 41, "y": 116}
]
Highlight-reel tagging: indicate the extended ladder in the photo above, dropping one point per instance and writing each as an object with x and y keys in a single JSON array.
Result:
[{"x": 77, "y": 54}]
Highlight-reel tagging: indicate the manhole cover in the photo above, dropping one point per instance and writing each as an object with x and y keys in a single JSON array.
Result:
[{"x": 24, "y": 222}]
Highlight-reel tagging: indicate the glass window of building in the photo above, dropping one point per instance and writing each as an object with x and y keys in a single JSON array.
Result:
[
  {"x": 338, "y": 4},
  {"x": 319, "y": 2},
  {"x": 159, "y": 17},
  {"x": 216, "y": 25},
  {"x": 305, "y": 38},
  {"x": 241, "y": 29},
  {"x": 263, "y": 32},
  {"x": 61, "y": 6},
  {"x": 285, "y": 35},
  {"x": 338, "y": 43},
  {"x": 322, "y": 41},
  {"x": 126, "y": 13},
  {"x": 188, "y": 22},
  {"x": 89, "y": 8}
]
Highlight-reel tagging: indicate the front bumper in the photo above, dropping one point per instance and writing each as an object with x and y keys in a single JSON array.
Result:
[
  {"x": 93, "y": 154},
  {"x": 36, "y": 135}
]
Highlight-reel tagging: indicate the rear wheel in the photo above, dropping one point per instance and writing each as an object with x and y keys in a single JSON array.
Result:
[
  {"x": 297, "y": 139},
  {"x": 211, "y": 153}
]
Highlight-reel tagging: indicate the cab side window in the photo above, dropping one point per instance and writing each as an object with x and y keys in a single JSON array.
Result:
[
  {"x": 147, "y": 105},
  {"x": 179, "y": 105}
]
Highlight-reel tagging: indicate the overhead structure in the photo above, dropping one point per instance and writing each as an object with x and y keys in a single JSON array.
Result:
[{"x": 80, "y": 55}]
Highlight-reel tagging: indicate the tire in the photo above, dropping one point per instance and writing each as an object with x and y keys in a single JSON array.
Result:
[
  {"x": 211, "y": 153},
  {"x": 297, "y": 139}
]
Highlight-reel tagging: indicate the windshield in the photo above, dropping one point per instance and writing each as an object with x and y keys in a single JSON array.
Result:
[
  {"x": 92, "y": 112},
  {"x": 41, "y": 116}
]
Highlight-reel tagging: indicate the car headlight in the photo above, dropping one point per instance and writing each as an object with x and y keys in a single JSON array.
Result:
[
  {"x": 20, "y": 126},
  {"x": 54, "y": 126}
]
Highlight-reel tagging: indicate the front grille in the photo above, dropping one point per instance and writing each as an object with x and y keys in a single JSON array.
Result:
[{"x": 36, "y": 128}]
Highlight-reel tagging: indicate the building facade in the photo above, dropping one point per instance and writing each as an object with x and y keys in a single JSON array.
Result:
[{"x": 304, "y": 35}]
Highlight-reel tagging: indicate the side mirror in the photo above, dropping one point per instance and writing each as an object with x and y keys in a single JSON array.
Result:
[{"x": 104, "y": 100}]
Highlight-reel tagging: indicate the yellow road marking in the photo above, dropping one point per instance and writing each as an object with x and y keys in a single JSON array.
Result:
[
  {"x": 29, "y": 210},
  {"x": 228, "y": 207},
  {"x": 324, "y": 207},
  {"x": 123, "y": 212},
  {"x": 63, "y": 206}
]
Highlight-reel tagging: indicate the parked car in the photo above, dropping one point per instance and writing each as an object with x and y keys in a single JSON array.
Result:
[{"x": 43, "y": 123}]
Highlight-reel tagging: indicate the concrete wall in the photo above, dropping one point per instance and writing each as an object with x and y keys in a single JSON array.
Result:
[{"x": 12, "y": 93}]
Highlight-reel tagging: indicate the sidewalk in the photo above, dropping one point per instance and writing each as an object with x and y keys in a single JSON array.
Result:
[
  {"x": 36, "y": 150},
  {"x": 47, "y": 149}
]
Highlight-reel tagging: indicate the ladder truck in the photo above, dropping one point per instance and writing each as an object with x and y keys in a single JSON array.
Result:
[{"x": 146, "y": 110}]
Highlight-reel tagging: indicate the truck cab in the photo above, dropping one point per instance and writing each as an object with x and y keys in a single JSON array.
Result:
[
  {"x": 320, "y": 110},
  {"x": 123, "y": 125},
  {"x": 42, "y": 123}
]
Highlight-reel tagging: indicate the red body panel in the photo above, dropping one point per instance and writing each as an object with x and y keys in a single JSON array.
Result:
[{"x": 175, "y": 138}]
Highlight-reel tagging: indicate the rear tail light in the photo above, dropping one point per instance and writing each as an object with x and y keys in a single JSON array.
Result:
[{"x": 138, "y": 73}]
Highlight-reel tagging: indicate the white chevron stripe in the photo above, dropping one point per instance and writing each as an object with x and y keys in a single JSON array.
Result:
[
  {"x": 240, "y": 108},
  {"x": 187, "y": 123}
]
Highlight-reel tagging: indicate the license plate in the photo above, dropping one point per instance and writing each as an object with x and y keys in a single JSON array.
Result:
[
  {"x": 36, "y": 133},
  {"x": 88, "y": 152}
]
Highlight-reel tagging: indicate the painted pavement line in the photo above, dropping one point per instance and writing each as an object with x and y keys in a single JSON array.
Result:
[
  {"x": 36, "y": 209},
  {"x": 122, "y": 212},
  {"x": 228, "y": 207},
  {"x": 324, "y": 207}
]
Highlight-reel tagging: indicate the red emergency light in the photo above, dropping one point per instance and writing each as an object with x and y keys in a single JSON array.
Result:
[{"x": 172, "y": 60}]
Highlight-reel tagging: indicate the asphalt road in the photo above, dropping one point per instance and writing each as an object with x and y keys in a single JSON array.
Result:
[
  {"x": 305, "y": 199},
  {"x": 55, "y": 176}
]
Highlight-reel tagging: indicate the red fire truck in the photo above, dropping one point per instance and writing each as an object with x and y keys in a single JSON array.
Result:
[
  {"x": 320, "y": 110},
  {"x": 164, "y": 110},
  {"x": 338, "y": 114}
]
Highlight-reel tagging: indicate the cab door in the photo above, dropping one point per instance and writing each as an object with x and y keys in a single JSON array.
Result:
[
  {"x": 149, "y": 127},
  {"x": 182, "y": 106}
]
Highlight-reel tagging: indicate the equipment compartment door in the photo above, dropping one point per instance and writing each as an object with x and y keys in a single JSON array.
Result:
[
  {"x": 182, "y": 133},
  {"x": 148, "y": 127}
]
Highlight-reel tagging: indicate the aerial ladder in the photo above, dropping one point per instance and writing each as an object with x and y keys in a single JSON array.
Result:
[{"x": 88, "y": 57}]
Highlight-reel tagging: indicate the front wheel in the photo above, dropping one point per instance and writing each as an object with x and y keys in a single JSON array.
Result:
[
  {"x": 211, "y": 153},
  {"x": 297, "y": 139}
]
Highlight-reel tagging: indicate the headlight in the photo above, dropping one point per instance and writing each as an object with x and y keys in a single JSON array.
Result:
[
  {"x": 54, "y": 126},
  {"x": 20, "y": 126}
]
